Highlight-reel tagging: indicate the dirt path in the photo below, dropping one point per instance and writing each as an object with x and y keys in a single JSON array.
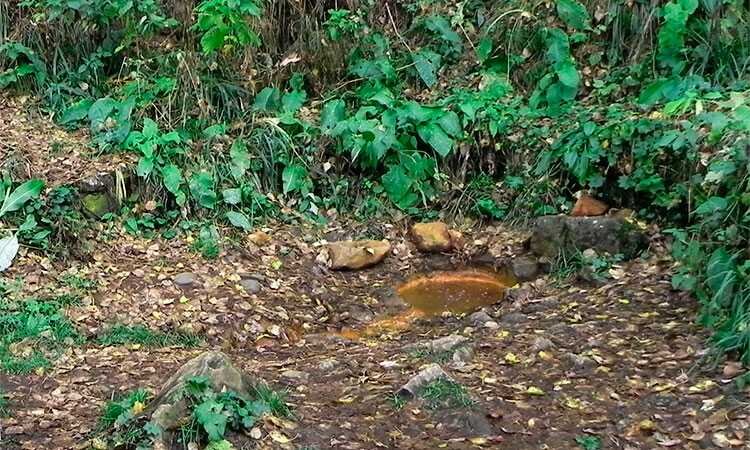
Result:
[{"x": 565, "y": 361}]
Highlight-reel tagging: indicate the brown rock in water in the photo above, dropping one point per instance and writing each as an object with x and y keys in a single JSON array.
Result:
[
  {"x": 433, "y": 237},
  {"x": 589, "y": 206},
  {"x": 354, "y": 255}
]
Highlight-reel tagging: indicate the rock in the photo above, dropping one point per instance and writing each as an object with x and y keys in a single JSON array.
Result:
[
  {"x": 99, "y": 183},
  {"x": 540, "y": 344},
  {"x": 491, "y": 325},
  {"x": 97, "y": 204},
  {"x": 525, "y": 268},
  {"x": 427, "y": 375},
  {"x": 446, "y": 343},
  {"x": 295, "y": 375},
  {"x": 513, "y": 318},
  {"x": 169, "y": 409},
  {"x": 354, "y": 255},
  {"x": 259, "y": 238},
  {"x": 250, "y": 285},
  {"x": 432, "y": 237},
  {"x": 185, "y": 279},
  {"x": 328, "y": 364},
  {"x": 554, "y": 234},
  {"x": 479, "y": 318},
  {"x": 468, "y": 423},
  {"x": 587, "y": 206},
  {"x": 463, "y": 355},
  {"x": 580, "y": 362}
]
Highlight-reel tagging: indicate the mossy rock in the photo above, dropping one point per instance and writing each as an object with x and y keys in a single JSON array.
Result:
[{"x": 97, "y": 205}]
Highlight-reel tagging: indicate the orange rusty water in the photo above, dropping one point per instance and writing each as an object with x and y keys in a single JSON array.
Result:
[
  {"x": 429, "y": 295},
  {"x": 457, "y": 292}
]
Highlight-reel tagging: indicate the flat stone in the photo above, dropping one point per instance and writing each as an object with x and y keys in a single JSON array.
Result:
[
  {"x": 250, "y": 285},
  {"x": 580, "y": 362},
  {"x": 185, "y": 279},
  {"x": 355, "y": 255},
  {"x": 447, "y": 343}
]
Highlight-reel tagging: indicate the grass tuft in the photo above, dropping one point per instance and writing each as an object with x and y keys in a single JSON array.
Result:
[{"x": 138, "y": 334}]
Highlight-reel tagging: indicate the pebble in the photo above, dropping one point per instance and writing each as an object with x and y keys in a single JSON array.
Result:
[
  {"x": 250, "y": 285},
  {"x": 184, "y": 279},
  {"x": 295, "y": 375},
  {"x": 541, "y": 343},
  {"x": 479, "y": 318}
]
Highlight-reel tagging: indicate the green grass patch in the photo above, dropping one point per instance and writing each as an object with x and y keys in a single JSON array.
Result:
[
  {"x": 32, "y": 332},
  {"x": 138, "y": 334},
  {"x": 444, "y": 393}
]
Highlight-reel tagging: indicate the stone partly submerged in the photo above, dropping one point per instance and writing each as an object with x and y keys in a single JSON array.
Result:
[
  {"x": 169, "y": 408},
  {"x": 552, "y": 235},
  {"x": 434, "y": 237},
  {"x": 355, "y": 255}
]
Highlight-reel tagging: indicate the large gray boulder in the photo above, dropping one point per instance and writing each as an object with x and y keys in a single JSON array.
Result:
[{"x": 555, "y": 234}]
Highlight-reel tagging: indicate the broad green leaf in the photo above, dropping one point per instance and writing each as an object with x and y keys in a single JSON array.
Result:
[
  {"x": 438, "y": 139},
  {"x": 332, "y": 113},
  {"x": 573, "y": 14},
  {"x": 75, "y": 112},
  {"x": 294, "y": 178},
  {"x": 215, "y": 130},
  {"x": 451, "y": 124},
  {"x": 209, "y": 415},
  {"x": 711, "y": 206},
  {"x": 568, "y": 74},
  {"x": 213, "y": 39},
  {"x": 427, "y": 64},
  {"x": 145, "y": 166},
  {"x": 202, "y": 189},
  {"x": 150, "y": 129},
  {"x": 240, "y": 159},
  {"x": 100, "y": 110},
  {"x": 232, "y": 196},
  {"x": 484, "y": 49},
  {"x": 22, "y": 194},
  {"x": 267, "y": 100},
  {"x": 8, "y": 250},
  {"x": 173, "y": 180},
  {"x": 398, "y": 187},
  {"x": 239, "y": 220}
]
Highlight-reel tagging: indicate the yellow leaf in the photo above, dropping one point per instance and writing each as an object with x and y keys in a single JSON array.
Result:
[
  {"x": 138, "y": 407},
  {"x": 278, "y": 437},
  {"x": 533, "y": 390},
  {"x": 703, "y": 386},
  {"x": 478, "y": 441},
  {"x": 572, "y": 403},
  {"x": 545, "y": 356},
  {"x": 512, "y": 358}
]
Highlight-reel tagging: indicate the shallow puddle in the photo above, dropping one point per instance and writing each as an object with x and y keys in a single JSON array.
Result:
[
  {"x": 458, "y": 292},
  {"x": 430, "y": 295}
]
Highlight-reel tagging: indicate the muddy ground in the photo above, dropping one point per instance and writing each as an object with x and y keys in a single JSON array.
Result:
[{"x": 620, "y": 360}]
